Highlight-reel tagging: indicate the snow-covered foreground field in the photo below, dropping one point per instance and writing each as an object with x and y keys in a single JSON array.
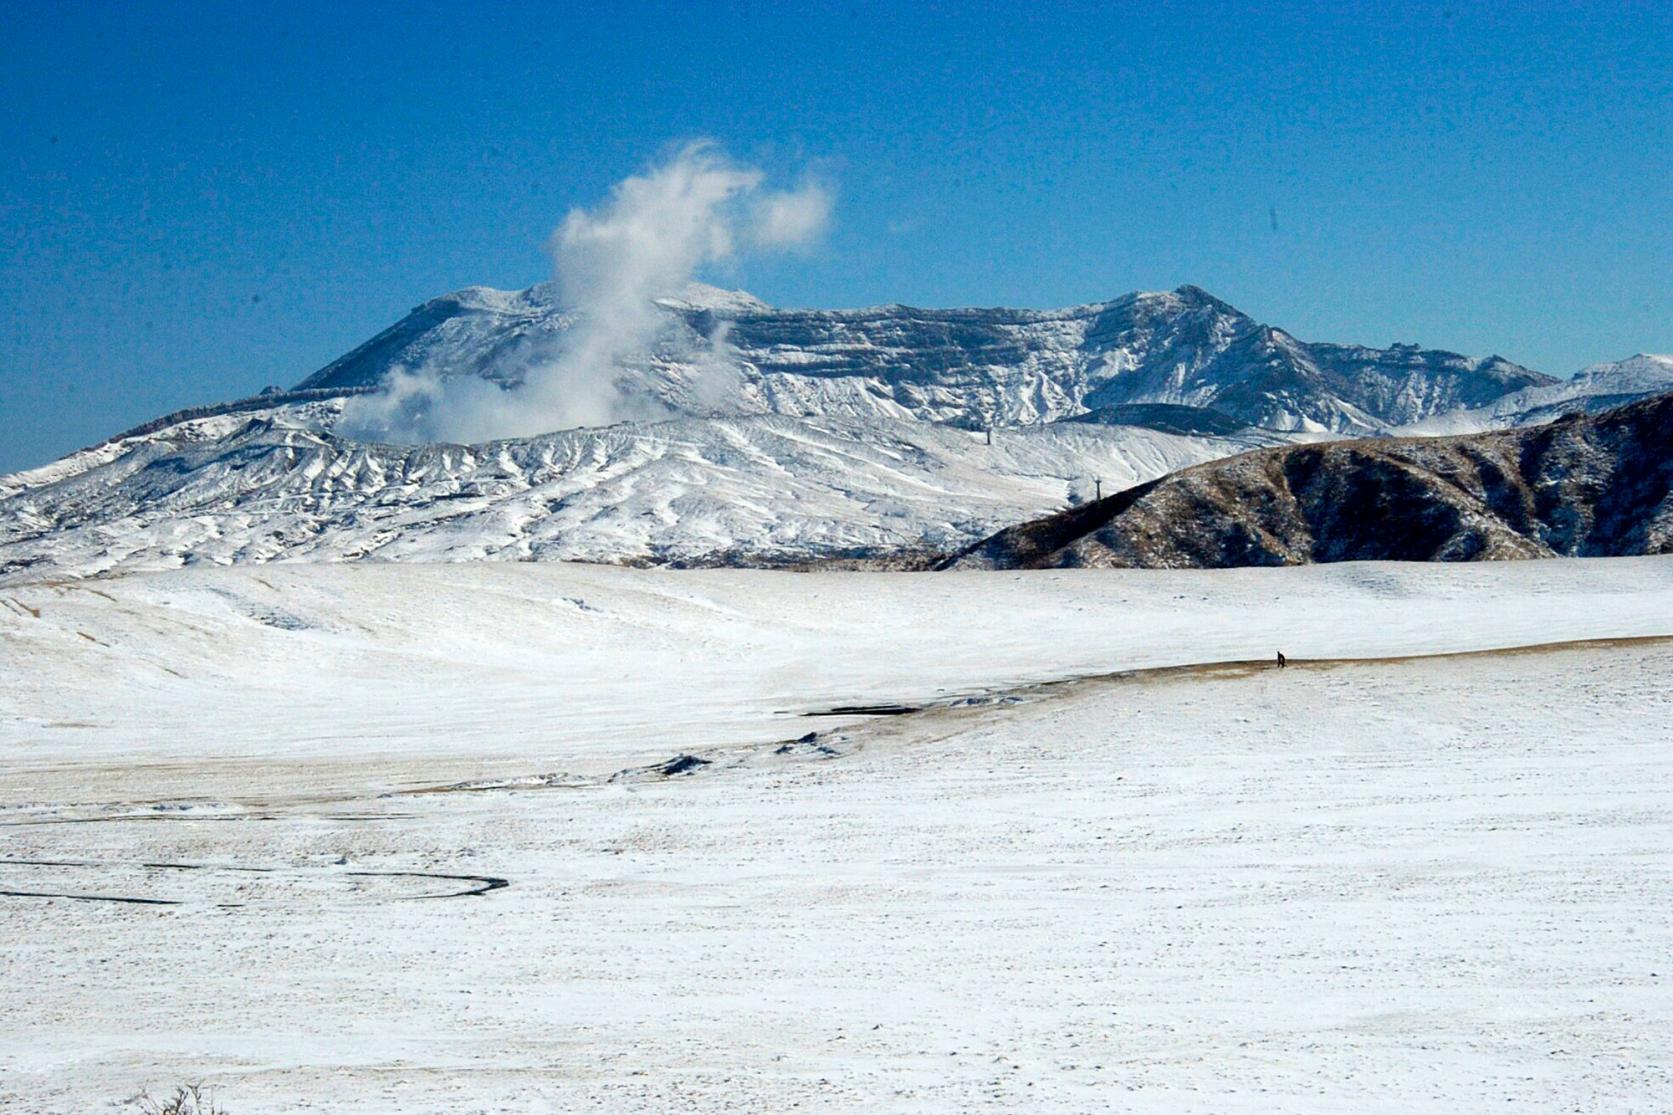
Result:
[{"x": 1401, "y": 884}]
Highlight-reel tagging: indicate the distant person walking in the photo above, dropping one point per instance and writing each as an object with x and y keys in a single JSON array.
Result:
[{"x": 1281, "y": 660}]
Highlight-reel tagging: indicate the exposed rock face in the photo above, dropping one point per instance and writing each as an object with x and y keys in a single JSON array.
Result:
[{"x": 1584, "y": 486}]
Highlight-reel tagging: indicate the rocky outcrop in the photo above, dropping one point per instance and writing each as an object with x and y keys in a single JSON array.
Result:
[{"x": 1583, "y": 486}]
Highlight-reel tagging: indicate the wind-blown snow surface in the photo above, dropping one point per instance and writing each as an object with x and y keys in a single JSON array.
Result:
[
  {"x": 1429, "y": 885},
  {"x": 250, "y": 488}
]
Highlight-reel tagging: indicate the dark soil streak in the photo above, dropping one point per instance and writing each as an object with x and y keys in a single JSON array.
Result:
[
  {"x": 867, "y": 710},
  {"x": 46, "y": 863},
  {"x": 485, "y": 883},
  {"x": 91, "y": 897},
  {"x": 489, "y": 882},
  {"x": 139, "y": 817}
]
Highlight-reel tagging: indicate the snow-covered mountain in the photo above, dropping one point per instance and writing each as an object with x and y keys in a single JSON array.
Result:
[
  {"x": 273, "y": 486},
  {"x": 968, "y": 367},
  {"x": 1592, "y": 390},
  {"x": 851, "y": 433}
]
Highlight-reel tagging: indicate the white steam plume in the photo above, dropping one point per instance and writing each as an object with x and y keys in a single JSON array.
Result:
[{"x": 647, "y": 241}]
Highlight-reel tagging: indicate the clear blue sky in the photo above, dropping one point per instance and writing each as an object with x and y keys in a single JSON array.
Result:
[{"x": 197, "y": 201}]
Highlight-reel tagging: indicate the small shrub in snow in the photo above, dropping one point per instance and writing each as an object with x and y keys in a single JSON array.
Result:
[{"x": 188, "y": 1099}]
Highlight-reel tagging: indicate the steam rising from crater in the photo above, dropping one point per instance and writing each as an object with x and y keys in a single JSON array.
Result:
[{"x": 646, "y": 241}]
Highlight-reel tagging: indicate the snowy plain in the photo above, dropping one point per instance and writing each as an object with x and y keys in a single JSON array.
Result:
[{"x": 1115, "y": 862}]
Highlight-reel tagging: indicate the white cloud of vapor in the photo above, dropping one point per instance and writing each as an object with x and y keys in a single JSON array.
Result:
[
  {"x": 791, "y": 218},
  {"x": 646, "y": 241}
]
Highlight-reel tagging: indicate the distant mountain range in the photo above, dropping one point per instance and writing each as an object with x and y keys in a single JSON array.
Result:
[
  {"x": 1592, "y": 390},
  {"x": 972, "y": 368},
  {"x": 1583, "y": 486},
  {"x": 851, "y": 434}
]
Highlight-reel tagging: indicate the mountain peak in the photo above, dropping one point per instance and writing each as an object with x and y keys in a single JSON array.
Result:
[
  {"x": 702, "y": 296},
  {"x": 1195, "y": 297},
  {"x": 1191, "y": 292},
  {"x": 1640, "y": 371}
]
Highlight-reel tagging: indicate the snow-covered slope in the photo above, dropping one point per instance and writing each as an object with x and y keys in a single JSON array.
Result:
[
  {"x": 1593, "y": 389},
  {"x": 272, "y": 485},
  {"x": 1427, "y": 886},
  {"x": 590, "y": 668},
  {"x": 972, "y": 367}
]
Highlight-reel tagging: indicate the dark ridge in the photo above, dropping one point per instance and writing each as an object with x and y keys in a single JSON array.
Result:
[
  {"x": 1027, "y": 545},
  {"x": 1584, "y": 486},
  {"x": 1170, "y": 418}
]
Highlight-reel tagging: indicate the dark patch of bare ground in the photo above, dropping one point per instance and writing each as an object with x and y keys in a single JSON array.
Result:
[{"x": 1583, "y": 486}]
